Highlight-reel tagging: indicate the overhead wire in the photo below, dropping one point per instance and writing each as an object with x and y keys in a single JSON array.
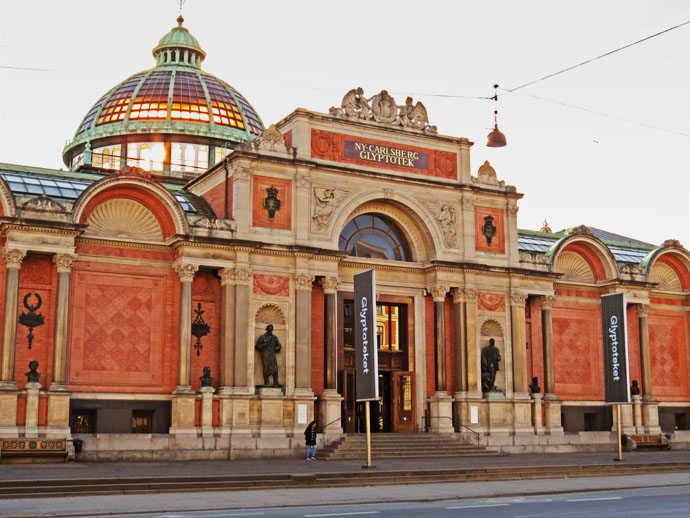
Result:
[{"x": 510, "y": 90}]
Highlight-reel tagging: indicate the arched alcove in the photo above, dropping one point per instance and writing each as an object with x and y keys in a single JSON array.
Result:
[{"x": 270, "y": 314}]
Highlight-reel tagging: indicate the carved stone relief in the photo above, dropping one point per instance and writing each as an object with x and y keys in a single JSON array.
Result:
[
  {"x": 124, "y": 219},
  {"x": 382, "y": 108},
  {"x": 270, "y": 140},
  {"x": 326, "y": 200},
  {"x": 446, "y": 216},
  {"x": 487, "y": 175}
]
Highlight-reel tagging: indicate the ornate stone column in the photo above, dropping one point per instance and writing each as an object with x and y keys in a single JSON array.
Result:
[
  {"x": 8, "y": 390},
  {"x": 552, "y": 405},
  {"x": 650, "y": 406},
  {"x": 460, "y": 344},
  {"x": 330, "y": 400},
  {"x": 474, "y": 378},
  {"x": 58, "y": 396},
  {"x": 522, "y": 405},
  {"x": 227, "y": 348},
  {"x": 303, "y": 284},
  {"x": 460, "y": 347},
  {"x": 242, "y": 391},
  {"x": 13, "y": 263},
  {"x": 183, "y": 403},
  {"x": 517, "y": 317},
  {"x": 441, "y": 403}
]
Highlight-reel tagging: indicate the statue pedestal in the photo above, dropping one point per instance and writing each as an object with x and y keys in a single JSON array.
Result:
[
  {"x": 329, "y": 409},
  {"x": 522, "y": 413},
  {"x": 271, "y": 411},
  {"x": 650, "y": 410},
  {"x": 32, "y": 389},
  {"x": 637, "y": 414},
  {"x": 552, "y": 413},
  {"x": 58, "y": 414},
  {"x": 8, "y": 413},
  {"x": 206, "y": 411},
  {"x": 537, "y": 420},
  {"x": 183, "y": 414},
  {"x": 441, "y": 405}
]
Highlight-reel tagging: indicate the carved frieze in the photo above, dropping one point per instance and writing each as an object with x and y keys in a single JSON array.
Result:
[
  {"x": 241, "y": 173},
  {"x": 136, "y": 172},
  {"x": 383, "y": 108},
  {"x": 271, "y": 285},
  {"x": 491, "y": 302},
  {"x": 326, "y": 200},
  {"x": 445, "y": 215},
  {"x": 43, "y": 203},
  {"x": 215, "y": 224}
]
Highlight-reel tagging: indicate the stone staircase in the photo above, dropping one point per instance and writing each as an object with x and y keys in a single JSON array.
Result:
[{"x": 400, "y": 446}]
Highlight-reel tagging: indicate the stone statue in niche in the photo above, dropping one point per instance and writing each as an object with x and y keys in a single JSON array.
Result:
[
  {"x": 534, "y": 387},
  {"x": 206, "y": 379},
  {"x": 491, "y": 357},
  {"x": 32, "y": 376},
  {"x": 635, "y": 388},
  {"x": 268, "y": 346}
]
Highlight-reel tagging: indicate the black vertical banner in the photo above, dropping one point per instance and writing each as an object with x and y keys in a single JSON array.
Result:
[
  {"x": 366, "y": 351},
  {"x": 616, "y": 368}
]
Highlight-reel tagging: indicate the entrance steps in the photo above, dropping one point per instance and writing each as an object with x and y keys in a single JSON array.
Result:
[{"x": 400, "y": 446}]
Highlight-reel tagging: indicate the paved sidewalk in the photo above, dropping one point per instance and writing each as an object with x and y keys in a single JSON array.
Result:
[
  {"x": 244, "y": 500},
  {"x": 97, "y": 470},
  {"x": 234, "y": 500}
]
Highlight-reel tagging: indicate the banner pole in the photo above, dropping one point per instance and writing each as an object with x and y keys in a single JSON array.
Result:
[
  {"x": 366, "y": 406},
  {"x": 618, "y": 419}
]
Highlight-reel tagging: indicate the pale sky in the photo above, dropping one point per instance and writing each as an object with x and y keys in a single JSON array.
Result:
[{"x": 605, "y": 145}]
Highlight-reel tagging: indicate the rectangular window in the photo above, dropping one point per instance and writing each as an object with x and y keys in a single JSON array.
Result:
[
  {"x": 142, "y": 421},
  {"x": 83, "y": 421}
]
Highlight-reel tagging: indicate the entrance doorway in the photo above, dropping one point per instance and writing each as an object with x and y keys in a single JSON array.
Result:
[{"x": 394, "y": 411}]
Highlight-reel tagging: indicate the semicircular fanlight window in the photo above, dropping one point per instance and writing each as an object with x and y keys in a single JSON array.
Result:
[{"x": 375, "y": 237}]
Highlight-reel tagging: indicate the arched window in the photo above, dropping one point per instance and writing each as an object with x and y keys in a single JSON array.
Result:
[{"x": 375, "y": 237}]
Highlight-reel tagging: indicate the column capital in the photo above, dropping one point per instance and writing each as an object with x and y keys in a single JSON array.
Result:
[
  {"x": 470, "y": 295},
  {"x": 439, "y": 292},
  {"x": 642, "y": 310},
  {"x": 518, "y": 298},
  {"x": 13, "y": 258},
  {"x": 186, "y": 271},
  {"x": 303, "y": 281},
  {"x": 458, "y": 295},
  {"x": 547, "y": 302},
  {"x": 330, "y": 284},
  {"x": 231, "y": 276},
  {"x": 64, "y": 262}
]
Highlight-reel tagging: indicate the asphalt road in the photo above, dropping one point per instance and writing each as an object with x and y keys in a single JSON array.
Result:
[{"x": 659, "y": 502}]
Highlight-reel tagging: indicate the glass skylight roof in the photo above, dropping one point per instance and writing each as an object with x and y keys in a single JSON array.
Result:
[
  {"x": 64, "y": 190},
  {"x": 535, "y": 243}
]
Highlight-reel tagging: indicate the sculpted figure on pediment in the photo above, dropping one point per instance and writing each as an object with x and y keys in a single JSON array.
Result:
[{"x": 354, "y": 105}]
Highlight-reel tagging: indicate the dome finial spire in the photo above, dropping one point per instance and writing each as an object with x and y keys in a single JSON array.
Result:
[{"x": 179, "y": 21}]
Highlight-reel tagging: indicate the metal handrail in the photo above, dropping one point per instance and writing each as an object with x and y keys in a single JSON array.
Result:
[
  {"x": 329, "y": 424},
  {"x": 477, "y": 434}
]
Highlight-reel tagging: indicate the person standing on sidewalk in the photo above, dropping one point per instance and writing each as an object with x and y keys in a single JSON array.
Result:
[{"x": 310, "y": 439}]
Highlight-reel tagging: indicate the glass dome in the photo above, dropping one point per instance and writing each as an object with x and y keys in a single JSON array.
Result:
[{"x": 173, "y": 103}]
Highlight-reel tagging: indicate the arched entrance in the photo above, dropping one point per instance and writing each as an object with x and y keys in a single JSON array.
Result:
[{"x": 375, "y": 236}]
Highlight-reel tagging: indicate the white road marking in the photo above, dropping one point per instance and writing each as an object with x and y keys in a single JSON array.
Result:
[
  {"x": 474, "y": 506},
  {"x": 595, "y": 499},
  {"x": 341, "y": 514}
]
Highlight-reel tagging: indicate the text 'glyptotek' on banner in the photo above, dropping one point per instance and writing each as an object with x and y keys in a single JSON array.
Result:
[
  {"x": 616, "y": 368},
  {"x": 366, "y": 351}
]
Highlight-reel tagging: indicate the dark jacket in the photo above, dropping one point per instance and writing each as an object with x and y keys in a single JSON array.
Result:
[{"x": 310, "y": 435}]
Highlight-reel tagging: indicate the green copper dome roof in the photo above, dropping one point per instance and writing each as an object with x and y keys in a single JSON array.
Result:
[{"x": 174, "y": 98}]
